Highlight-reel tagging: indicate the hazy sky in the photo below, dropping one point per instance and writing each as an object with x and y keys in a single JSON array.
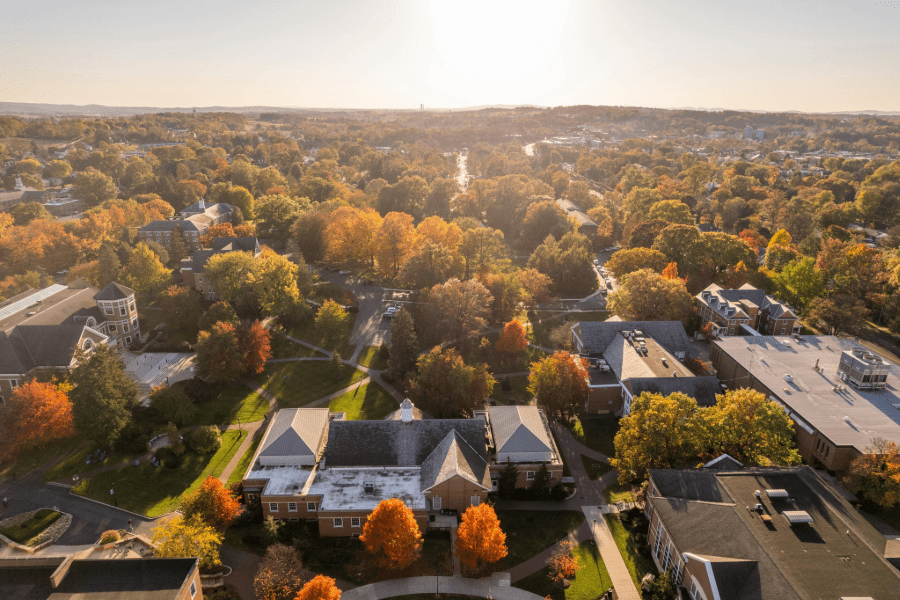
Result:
[{"x": 767, "y": 55}]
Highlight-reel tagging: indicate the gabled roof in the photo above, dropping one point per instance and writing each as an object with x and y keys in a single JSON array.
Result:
[
  {"x": 731, "y": 575},
  {"x": 702, "y": 389},
  {"x": 519, "y": 429},
  {"x": 295, "y": 432},
  {"x": 395, "y": 443},
  {"x": 724, "y": 462},
  {"x": 234, "y": 244},
  {"x": 48, "y": 345},
  {"x": 454, "y": 457},
  {"x": 689, "y": 484},
  {"x": 114, "y": 291},
  {"x": 597, "y": 335}
]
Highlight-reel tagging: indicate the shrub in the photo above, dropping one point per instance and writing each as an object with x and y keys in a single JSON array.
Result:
[
  {"x": 200, "y": 390},
  {"x": 164, "y": 454},
  {"x": 172, "y": 463},
  {"x": 206, "y": 440},
  {"x": 81, "y": 487},
  {"x": 559, "y": 492},
  {"x": 110, "y": 536}
]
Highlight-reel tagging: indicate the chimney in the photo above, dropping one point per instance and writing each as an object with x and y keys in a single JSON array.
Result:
[
  {"x": 406, "y": 411},
  {"x": 202, "y": 204}
]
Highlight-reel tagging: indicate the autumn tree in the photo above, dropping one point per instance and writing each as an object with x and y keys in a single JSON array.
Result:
[
  {"x": 671, "y": 211},
  {"x": 458, "y": 308},
  {"x": 220, "y": 311},
  {"x": 255, "y": 342},
  {"x": 351, "y": 236},
  {"x": 219, "y": 355},
  {"x": 562, "y": 562},
  {"x": 404, "y": 345},
  {"x": 319, "y": 587},
  {"x": 173, "y": 405},
  {"x": 212, "y": 503},
  {"x": 396, "y": 241},
  {"x": 182, "y": 308},
  {"x": 512, "y": 339},
  {"x": 177, "y": 248},
  {"x": 280, "y": 574},
  {"x": 94, "y": 187},
  {"x": 24, "y": 213},
  {"x": 144, "y": 273},
  {"x": 446, "y": 386},
  {"x": 332, "y": 322},
  {"x": 839, "y": 313},
  {"x": 630, "y": 260},
  {"x": 187, "y": 537},
  {"x": 560, "y": 383},
  {"x": 875, "y": 474},
  {"x": 102, "y": 396},
  {"x": 645, "y": 295},
  {"x": 391, "y": 535},
  {"x": 35, "y": 414},
  {"x": 671, "y": 271},
  {"x": 479, "y": 540}
]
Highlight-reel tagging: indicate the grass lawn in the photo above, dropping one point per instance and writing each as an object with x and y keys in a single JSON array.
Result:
[
  {"x": 237, "y": 402},
  {"x": 597, "y": 433},
  {"x": 241, "y": 468},
  {"x": 591, "y": 579},
  {"x": 519, "y": 393},
  {"x": 367, "y": 402},
  {"x": 155, "y": 491},
  {"x": 595, "y": 469},
  {"x": 75, "y": 463},
  {"x": 32, "y": 458},
  {"x": 498, "y": 363},
  {"x": 296, "y": 384},
  {"x": 542, "y": 324},
  {"x": 308, "y": 333},
  {"x": 285, "y": 348},
  {"x": 637, "y": 563},
  {"x": 617, "y": 492},
  {"x": 369, "y": 357},
  {"x": 529, "y": 532},
  {"x": 24, "y": 532}
]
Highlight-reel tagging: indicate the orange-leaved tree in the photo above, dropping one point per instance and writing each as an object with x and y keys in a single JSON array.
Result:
[
  {"x": 671, "y": 271},
  {"x": 562, "y": 562},
  {"x": 479, "y": 539},
  {"x": 319, "y": 587},
  {"x": 38, "y": 412},
  {"x": 560, "y": 383},
  {"x": 512, "y": 339},
  {"x": 213, "y": 503},
  {"x": 392, "y": 535}
]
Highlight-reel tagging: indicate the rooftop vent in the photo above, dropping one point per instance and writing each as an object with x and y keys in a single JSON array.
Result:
[
  {"x": 788, "y": 378},
  {"x": 777, "y": 493},
  {"x": 369, "y": 488},
  {"x": 664, "y": 363},
  {"x": 797, "y": 517}
]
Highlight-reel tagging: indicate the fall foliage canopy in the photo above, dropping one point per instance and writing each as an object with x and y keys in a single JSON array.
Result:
[
  {"x": 512, "y": 339},
  {"x": 319, "y": 587},
  {"x": 479, "y": 539},
  {"x": 392, "y": 535},
  {"x": 36, "y": 413},
  {"x": 212, "y": 503}
]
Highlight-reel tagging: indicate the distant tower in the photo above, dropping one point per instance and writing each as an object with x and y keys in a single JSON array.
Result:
[{"x": 406, "y": 411}]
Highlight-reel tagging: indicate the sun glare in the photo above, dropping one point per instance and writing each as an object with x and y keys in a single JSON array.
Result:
[{"x": 483, "y": 41}]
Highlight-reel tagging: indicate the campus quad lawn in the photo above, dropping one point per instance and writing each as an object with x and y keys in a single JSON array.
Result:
[
  {"x": 529, "y": 532},
  {"x": 370, "y": 357},
  {"x": 243, "y": 463},
  {"x": 367, "y": 402},
  {"x": 155, "y": 491},
  {"x": 75, "y": 463},
  {"x": 591, "y": 579},
  {"x": 296, "y": 384},
  {"x": 519, "y": 393},
  {"x": 285, "y": 348},
  {"x": 597, "y": 433},
  {"x": 309, "y": 333},
  {"x": 638, "y": 564},
  {"x": 616, "y": 492},
  {"x": 595, "y": 468},
  {"x": 237, "y": 403},
  {"x": 40, "y": 521},
  {"x": 32, "y": 458}
]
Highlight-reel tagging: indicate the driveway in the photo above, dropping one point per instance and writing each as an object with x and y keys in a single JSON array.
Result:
[{"x": 370, "y": 329}]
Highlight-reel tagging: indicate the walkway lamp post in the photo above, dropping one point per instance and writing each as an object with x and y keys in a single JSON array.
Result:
[{"x": 112, "y": 492}]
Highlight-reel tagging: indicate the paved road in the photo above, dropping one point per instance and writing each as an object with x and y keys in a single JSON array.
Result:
[{"x": 369, "y": 329}]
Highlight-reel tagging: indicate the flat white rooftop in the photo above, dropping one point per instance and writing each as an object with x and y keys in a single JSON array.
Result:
[
  {"x": 345, "y": 488},
  {"x": 283, "y": 480}
]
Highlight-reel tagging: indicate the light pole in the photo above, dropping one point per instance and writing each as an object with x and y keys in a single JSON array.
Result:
[{"x": 112, "y": 492}]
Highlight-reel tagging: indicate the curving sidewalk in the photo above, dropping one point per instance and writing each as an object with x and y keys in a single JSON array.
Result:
[{"x": 481, "y": 588}]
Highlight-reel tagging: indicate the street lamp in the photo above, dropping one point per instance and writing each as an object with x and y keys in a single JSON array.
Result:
[{"x": 112, "y": 493}]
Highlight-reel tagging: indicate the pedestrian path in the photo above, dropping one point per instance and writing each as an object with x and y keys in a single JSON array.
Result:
[
  {"x": 539, "y": 561},
  {"x": 327, "y": 399},
  {"x": 492, "y": 587},
  {"x": 609, "y": 551}
]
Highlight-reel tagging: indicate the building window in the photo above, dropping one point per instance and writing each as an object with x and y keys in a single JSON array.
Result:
[
  {"x": 134, "y": 323},
  {"x": 112, "y": 327},
  {"x": 121, "y": 310},
  {"x": 782, "y": 331},
  {"x": 108, "y": 310},
  {"x": 476, "y": 500},
  {"x": 827, "y": 449},
  {"x": 354, "y": 521},
  {"x": 658, "y": 543},
  {"x": 273, "y": 507},
  {"x": 529, "y": 475},
  {"x": 128, "y": 341},
  {"x": 667, "y": 558},
  {"x": 436, "y": 503},
  {"x": 292, "y": 507},
  {"x": 13, "y": 383},
  {"x": 310, "y": 507},
  {"x": 338, "y": 522},
  {"x": 125, "y": 326},
  {"x": 193, "y": 589},
  {"x": 2, "y": 401},
  {"x": 131, "y": 306}
]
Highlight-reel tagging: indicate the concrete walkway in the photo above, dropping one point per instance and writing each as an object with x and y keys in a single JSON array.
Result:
[
  {"x": 612, "y": 558},
  {"x": 327, "y": 399},
  {"x": 481, "y": 588}
]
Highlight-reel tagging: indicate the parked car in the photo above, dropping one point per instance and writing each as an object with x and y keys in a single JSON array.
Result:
[
  {"x": 389, "y": 314},
  {"x": 351, "y": 309},
  {"x": 344, "y": 272},
  {"x": 597, "y": 262}
]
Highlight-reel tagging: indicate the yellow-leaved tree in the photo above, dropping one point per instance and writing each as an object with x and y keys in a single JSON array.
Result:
[{"x": 180, "y": 537}]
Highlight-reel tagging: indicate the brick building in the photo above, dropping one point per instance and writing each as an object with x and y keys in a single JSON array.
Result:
[
  {"x": 838, "y": 393},
  {"x": 194, "y": 222},
  {"x": 764, "y": 534},
  {"x": 314, "y": 466},
  {"x": 729, "y": 310},
  {"x": 193, "y": 269}
]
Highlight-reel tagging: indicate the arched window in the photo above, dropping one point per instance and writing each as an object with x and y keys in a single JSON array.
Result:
[
  {"x": 87, "y": 344},
  {"x": 91, "y": 322}
]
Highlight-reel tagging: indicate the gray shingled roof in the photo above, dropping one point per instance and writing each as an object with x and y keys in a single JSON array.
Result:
[
  {"x": 689, "y": 484},
  {"x": 575, "y": 213},
  {"x": 295, "y": 432},
  {"x": 702, "y": 389},
  {"x": 234, "y": 244},
  {"x": 395, "y": 443},
  {"x": 454, "y": 456},
  {"x": 48, "y": 345},
  {"x": 134, "y": 579},
  {"x": 114, "y": 291},
  {"x": 519, "y": 429},
  {"x": 13, "y": 358},
  {"x": 597, "y": 335}
]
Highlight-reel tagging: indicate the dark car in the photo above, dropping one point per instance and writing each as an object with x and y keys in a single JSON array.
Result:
[{"x": 351, "y": 309}]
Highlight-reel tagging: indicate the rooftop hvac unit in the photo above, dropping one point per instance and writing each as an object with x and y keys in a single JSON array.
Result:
[{"x": 788, "y": 378}]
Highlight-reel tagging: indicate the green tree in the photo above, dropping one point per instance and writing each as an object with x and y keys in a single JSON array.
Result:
[
  {"x": 219, "y": 354},
  {"x": 840, "y": 313},
  {"x": 177, "y": 248},
  {"x": 145, "y": 274},
  {"x": 799, "y": 282},
  {"x": 506, "y": 485},
  {"x": 542, "y": 219},
  {"x": 220, "y": 311},
  {"x": 429, "y": 264},
  {"x": 671, "y": 211},
  {"x": 541, "y": 484},
  {"x": 560, "y": 383},
  {"x": 332, "y": 322},
  {"x": 480, "y": 248},
  {"x": 648, "y": 296},
  {"x": 680, "y": 244},
  {"x": 568, "y": 263},
  {"x": 24, "y": 213},
  {"x": 94, "y": 187},
  {"x": 404, "y": 345},
  {"x": 449, "y": 388},
  {"x": 630, "y": 260},
  {"x": 241, "y": 197},
  {"x": 639, "y": 200},
  {"x": 276, "y": 214},
  {"x": 173, "y": 405},
  {"x": 458, "y": 308},
  {"x": 59, "y": 169},
  {"x": 103, "y": 395},
  {"x": 108, "y": 265},
  {"x": 438, "y": 200}
]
